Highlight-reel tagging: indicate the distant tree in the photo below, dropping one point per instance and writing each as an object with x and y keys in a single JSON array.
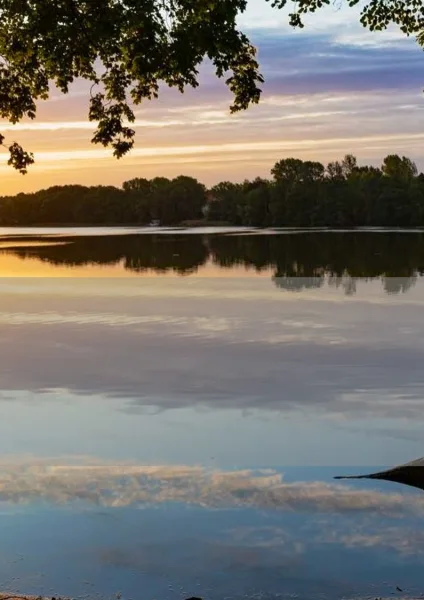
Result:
[
  {"x": 226, "y": 202},
  {"x": 253, "y": 184},
  {"x": 293, "y": 199},
  {"x": 366, "y": 173},
  {"x": 334, "y": 171},
  {"x": 293, "y": 171},
  {"x": 188, "y": 196},
  {"x": 138, "y": 184},
  {"x": 337, "y": 171},
  {"x": 256, "y": 205},
  {"x": 170, "y": 201},
  {"x": 313, "y": 171},
  {"x": 288, "y": 170},
  {"x": 401, "y": 169},
  {"x": 349, "y": 165}
]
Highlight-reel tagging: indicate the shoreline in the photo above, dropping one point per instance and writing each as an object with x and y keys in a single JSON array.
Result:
[{"x": 199, "y": 225}]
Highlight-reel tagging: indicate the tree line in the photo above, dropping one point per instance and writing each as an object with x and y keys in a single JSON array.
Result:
[
  {"x": 342, "y": 194},
  {"x": 298, "y": 194},
  {"x": 138, "y": 202},
  {"x": 293, "y": 261}
]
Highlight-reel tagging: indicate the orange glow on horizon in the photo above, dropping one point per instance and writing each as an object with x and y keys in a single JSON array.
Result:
[{"x": 200, "y": 138}]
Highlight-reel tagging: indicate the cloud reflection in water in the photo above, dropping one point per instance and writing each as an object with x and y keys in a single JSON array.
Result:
[{"x": 126, "y": 485}]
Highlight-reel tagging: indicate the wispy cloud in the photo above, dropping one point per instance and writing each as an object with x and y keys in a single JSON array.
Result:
[{"x": 237, "y": 149}]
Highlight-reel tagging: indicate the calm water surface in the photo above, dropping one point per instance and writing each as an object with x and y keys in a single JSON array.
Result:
[{"x": 174, "y": 406}]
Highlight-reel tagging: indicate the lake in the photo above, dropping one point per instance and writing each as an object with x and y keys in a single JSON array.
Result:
[{"x": 174, "y": 405}]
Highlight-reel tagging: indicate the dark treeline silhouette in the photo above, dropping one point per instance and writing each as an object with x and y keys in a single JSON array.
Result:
[
  {"x": 139, "y": 202},
  {"x": 295, "y": 261},
  {"x": 343, "y": 194},
  {"x": 299, "y": 194}
]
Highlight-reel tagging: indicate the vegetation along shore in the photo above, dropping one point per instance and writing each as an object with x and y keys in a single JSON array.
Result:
[{"x": 298, "y": 194}]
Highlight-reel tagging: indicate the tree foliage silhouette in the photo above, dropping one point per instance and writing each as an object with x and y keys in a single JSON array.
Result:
[{"x": 126, "y": 49}]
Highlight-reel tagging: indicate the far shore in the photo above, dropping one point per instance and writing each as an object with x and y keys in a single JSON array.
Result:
[
  {"x": 183, "y": 224},
  {"x": 197, "y": 223}
]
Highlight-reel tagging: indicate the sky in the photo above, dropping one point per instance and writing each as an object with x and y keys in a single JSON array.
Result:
[{"x": 330, "y": 89}]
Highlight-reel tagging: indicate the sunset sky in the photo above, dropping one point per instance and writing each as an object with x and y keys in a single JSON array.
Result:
[{"x": 330, "y": 89}]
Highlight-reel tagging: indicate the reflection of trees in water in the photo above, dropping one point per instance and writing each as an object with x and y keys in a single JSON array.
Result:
[
  {"x": 312, "y": 260},
  {"x": 297, "y": 284},
  {"x": 298, "y": 261},
  {"x": 391, "y": 285},
  {"x": 158, "y": 253},
  {"x": 179, "y": 254},
  {"x": 396, "y": 285}
]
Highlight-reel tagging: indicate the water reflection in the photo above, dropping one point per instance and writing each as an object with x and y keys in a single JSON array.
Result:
[
  {"x": 175, "y": 531},
  {"x": 145, "y": 421},
  {"x": 119, "y": 485},
  {"x": 295, "y": 261},
  {"x": 124, "y": 366}
]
